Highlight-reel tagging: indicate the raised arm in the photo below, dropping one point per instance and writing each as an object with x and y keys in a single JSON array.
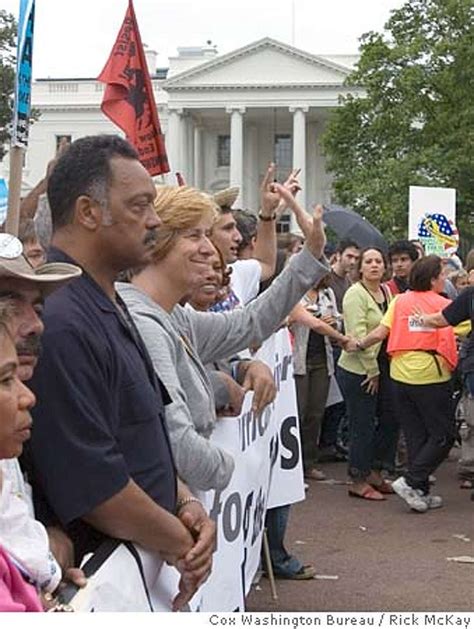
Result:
[
  {"x": 265, "y": 250},
  {"x": 219, "y": 335}
]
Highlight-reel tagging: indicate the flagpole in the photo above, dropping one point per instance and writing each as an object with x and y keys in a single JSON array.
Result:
[{"x": 12, "y": 223}]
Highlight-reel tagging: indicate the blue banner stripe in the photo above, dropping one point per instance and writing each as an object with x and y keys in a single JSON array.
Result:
[{"x": 22, "y": 107}]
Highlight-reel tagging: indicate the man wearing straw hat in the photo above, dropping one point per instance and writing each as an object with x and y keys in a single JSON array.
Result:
[{"x": 22, "y": 289}]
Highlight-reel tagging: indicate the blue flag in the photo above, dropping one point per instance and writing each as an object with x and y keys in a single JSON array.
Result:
[
  {"x": 3, "y": 200},
  {"x": 21, "y": 114}
]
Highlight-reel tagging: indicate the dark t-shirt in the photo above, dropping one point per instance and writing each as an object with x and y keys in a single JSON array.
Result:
[
  {"x": 461, "y": 309},
  {"x": 339, "y": 285},
  {"x": 99, "y": 417},
  {"x": 316, "y": 346}
]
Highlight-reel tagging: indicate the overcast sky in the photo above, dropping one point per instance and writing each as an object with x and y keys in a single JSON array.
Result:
[{"x": 73, "y": 38}]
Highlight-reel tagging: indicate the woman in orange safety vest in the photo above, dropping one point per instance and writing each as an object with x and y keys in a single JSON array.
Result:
[{"x": 422, "y": 360}]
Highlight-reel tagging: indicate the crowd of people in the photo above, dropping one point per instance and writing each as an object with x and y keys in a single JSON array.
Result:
[{"x": 148, "y": 312}]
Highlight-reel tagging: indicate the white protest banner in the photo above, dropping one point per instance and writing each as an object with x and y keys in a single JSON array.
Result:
[
  {"x": 239, "y": 509},
  {"x": 267, "y": 456},
  {"x": 432, "y": 219},
  {"x": 287, "y": 484}
]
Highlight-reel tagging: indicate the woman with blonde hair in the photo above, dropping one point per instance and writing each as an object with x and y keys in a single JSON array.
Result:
[{"x": 180, "y": 340}]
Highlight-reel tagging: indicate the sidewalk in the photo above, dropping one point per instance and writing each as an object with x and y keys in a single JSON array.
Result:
[{"x": 386, "y": 558}]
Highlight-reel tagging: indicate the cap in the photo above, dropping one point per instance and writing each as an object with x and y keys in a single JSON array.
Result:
[
  {"x": 48, "y": 276},
  {"x": 227, "y": 197}
]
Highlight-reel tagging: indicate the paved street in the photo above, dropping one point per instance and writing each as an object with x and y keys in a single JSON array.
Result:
[{"x": 386, "y": 558}]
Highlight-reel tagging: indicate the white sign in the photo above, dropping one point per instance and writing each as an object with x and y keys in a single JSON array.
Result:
[
  {"x": 268, "y": 473},
  {"x": 432, "y": 219}
]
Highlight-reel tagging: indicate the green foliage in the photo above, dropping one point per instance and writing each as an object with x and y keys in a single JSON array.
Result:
[
  {"x": 7, "y": 74},
  {"x": 415, "y": 125}
]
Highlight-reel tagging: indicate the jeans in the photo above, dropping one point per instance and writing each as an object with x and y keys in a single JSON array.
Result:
[
  {"x": 312, "y": 392},
  {"x": 334, "y": 415},
  {"x": 276, "y": 521},
  {"x": 388, "y": 427},
  {"x": 427, "y": 420},
  {"x": 372, "y": 437}
]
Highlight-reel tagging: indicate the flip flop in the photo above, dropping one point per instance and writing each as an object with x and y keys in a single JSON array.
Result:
[
  {"x": 383, "y": 487},
  {"x": 368, "y": 493}
]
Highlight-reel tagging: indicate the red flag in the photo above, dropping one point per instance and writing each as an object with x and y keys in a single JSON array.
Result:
[{"x": 128, "y": 98}]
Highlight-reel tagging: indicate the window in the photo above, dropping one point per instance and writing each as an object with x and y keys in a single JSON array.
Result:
[
  {"x": 283, "y": 151},
  {"x": 284, "y": 225},
  {"x": 223, "y": 150}
]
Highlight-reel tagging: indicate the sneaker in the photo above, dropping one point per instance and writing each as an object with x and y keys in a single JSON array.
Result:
[
  {"x": 409, "y": 495},
  {"x": 314, "y": 474},
  {"x": 433, "y": 502}
]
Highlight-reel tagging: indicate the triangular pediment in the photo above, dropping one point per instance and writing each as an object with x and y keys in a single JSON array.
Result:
[{"x": 266, "y": 62}]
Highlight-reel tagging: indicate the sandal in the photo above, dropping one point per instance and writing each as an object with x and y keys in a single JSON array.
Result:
[
  {"x": 383, "y": 487},
  {"x": 368, "y": 493}
]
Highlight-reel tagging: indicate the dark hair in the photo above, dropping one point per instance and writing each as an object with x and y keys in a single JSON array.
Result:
[
  {"x": 226, "y": 270},
  {"x": 84, "y": 169},
  {"x": 469, "y": 260},
  {"x": 342, "y": 245},
  {"x": 423, "y": 271},
  {"x": 27, "y": 231},
  {"x": 247, "y": 226},
  {"x": 403, "y": 246},
  {"x": 364, "y": 251}
]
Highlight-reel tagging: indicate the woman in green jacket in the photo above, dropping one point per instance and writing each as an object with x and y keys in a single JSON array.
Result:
[{"x": 366, "y": 384}]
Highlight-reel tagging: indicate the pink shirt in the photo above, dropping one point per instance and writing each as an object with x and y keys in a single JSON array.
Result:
[{"x": 16, "y": 595}]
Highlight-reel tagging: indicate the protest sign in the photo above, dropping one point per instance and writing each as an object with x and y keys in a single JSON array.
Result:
[
  {"x": 268, "y": 473},
  {"x": 432, "y": 219}
]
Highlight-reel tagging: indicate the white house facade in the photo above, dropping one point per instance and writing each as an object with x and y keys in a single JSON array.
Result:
[{"x": 224, "y": 116}]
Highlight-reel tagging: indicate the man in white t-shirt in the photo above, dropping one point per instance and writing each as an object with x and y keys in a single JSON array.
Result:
[
  {"x": 244, "y": 283},
  {"x": 247, "y": 274}
]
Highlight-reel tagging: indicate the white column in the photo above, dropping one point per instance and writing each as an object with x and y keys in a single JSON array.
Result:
[
  {"x": 183, "y": 161},
  {"x": 173, "y": 143},
  {"x": 236, "y": 149},
  {"x": 198, "y": 157},
  {"x": 189, "y": 154},
  {"x": 299, "y": 154},
  {"x": 252, "y": 184}
]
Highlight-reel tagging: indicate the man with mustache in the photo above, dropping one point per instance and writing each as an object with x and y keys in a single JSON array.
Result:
[
  {"x": 100, "y": 405},
  {"x": 22, "y": 289}
]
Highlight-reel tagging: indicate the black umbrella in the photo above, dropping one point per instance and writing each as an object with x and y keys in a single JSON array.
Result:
[{"x": 347, "y": 223}]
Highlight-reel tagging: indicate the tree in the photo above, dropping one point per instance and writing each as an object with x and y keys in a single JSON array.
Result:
[
  {"x": 415, "y": 125},
  {"x": 8, "y": 31}
]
